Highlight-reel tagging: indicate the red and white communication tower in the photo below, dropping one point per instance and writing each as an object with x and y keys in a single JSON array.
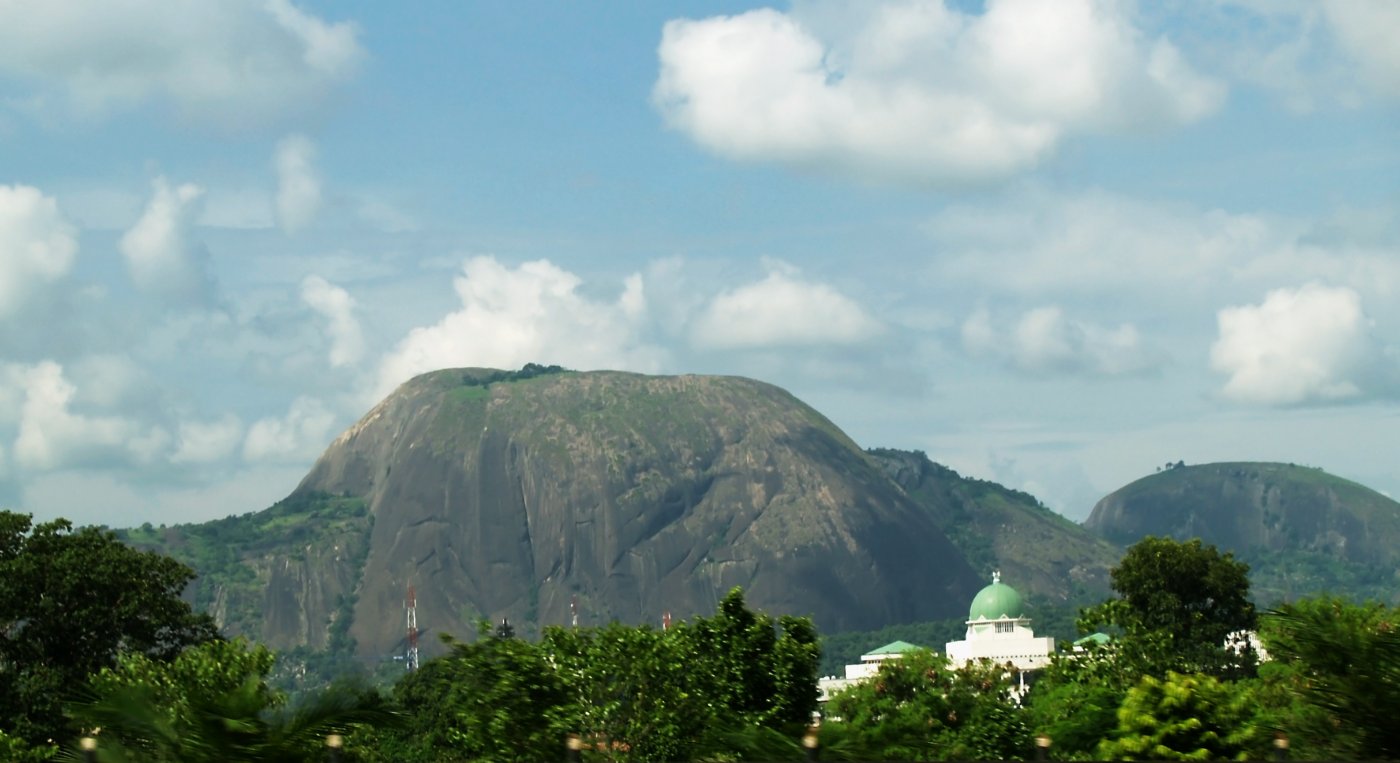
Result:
[{"x": 411, "y": 658}]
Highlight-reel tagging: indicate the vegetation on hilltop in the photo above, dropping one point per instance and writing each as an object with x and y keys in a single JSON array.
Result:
[{"x": 997, "y": 528}]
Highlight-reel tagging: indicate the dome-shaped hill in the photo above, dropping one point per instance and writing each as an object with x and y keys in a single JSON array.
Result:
[
  {"x": 496, "y": 495},
  {"x": 1302, "y": 529}
]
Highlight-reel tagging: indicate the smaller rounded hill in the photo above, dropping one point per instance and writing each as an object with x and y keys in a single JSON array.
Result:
[{"x": 1301, "y": 529}]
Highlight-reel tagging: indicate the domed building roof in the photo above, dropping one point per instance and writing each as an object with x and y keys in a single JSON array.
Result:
[{"x": 997, "y": 601}]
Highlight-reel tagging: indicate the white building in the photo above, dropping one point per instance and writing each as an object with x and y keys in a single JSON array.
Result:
[
  {"x": 998, "y": 630},
  {"x": 868, "y": 666}
]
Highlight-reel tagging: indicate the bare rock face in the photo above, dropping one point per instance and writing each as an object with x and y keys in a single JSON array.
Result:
[{"x": 636, "y": 495}]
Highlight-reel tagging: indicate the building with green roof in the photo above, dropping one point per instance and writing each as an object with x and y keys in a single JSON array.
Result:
[
  {"x": 999, "y": 630},
  {"x": 868, "y": 666}
]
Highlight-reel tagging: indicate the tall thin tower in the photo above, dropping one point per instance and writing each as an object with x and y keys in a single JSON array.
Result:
[{"x": 411, "y": 658}]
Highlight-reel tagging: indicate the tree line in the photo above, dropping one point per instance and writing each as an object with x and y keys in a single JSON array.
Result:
[{"x": 95, "y": 641}]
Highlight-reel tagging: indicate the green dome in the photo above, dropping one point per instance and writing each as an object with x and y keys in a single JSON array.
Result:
[{"x": 997, "y": 601}]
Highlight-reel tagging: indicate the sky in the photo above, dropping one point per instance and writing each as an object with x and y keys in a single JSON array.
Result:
[{"x": 1051, "y": 243}]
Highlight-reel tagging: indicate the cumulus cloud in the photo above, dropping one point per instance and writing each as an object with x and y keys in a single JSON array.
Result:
[
  {"x": 782, "y": 310},
  {"x": 160, "y": 254},
  {"x": 202, "y": 442},
  {"x": 338, "y": 308},
  {"x": 916, "y": 91},
  {"x": 1312, "y": 344},
  {"x": 222, "y": 61},
  {"x": 298, "y": 186},
  {"x": 52, "y": 435},
  {"x": 36, "y": 245},
  {"x": 299, "y": 435},
  {"x": 1045, "y": 341},
  {"x": 530, "y": 313}
]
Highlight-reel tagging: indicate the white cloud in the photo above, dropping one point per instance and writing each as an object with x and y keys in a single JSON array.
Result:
[
  {"x": 300, "y": 435},
  {"x": 239, "y": 208},
  {"x": 1309, "y": 53},
  {"x": 202, "y": 442},
  {"x": 530, "y": 313},
  {"x": 1368, "y": 30},
  {"x": 160, "y": 255},
  {"x": 298, "y": 186},
  {"x": 1044, "y": 341},
  {"x": 53, "y": 436},
  {"x": 36, "y": 245},
  {"x": 1306, "y": 345},
  {"x": 386, "y": 217},
  {"x": 916, "y": 91},
  {"x": 221, "y": 61},
  {"x": 781, "y": 310},
  {"x": 110, "y": 381},
  {"x": 1035, "y": 241},
  {"x": 338, "y": 308},
  {"x": 113, "y": 498}
]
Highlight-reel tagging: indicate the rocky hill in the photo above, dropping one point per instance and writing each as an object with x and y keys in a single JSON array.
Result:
[
  {"x": 503, "y": 494},
  {"x": 1301, "y": 529},
  {"x": 1050, "y": 558}
]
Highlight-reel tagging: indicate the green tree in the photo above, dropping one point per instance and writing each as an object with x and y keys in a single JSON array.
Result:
[
  {"x": 1075, "y": 699},
  {"x": 756, "y": 673},
  {"x": 1178, "y": 604},
  {"x": 796, "y": 658},
  {"x": 1185, "y": 717},
  {"x": 918, "y": 707},
  {"x": 636, "y": 693},
  {"x": 721, "y": 686},
  {"x": 71, "y": 601},
  {"x": 497, "y": 699},
  {"x": 18, "y": 751},
  {"x": 1337, "y": 668},
  {"x": 213, "y": 703}
]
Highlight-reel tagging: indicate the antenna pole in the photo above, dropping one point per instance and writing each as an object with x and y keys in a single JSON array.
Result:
[{"x": 411, "y": 658}]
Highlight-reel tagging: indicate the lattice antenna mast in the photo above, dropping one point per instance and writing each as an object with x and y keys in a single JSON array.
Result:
[{"x": 411, "y": 658}]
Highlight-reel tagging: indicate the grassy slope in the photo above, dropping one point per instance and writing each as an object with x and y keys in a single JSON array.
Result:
[
  {"x": 1039, "y": 552},
  {"x": 225, "y": 552}
]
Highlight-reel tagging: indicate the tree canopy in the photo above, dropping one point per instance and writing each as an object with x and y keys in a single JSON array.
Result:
[
  {"x": 71, "y": 601},
  {"x": 1180, "y": 606}
]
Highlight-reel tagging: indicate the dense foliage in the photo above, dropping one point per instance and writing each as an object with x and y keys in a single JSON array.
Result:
[
  {"x": 1179, "y": 607},
  {"x": 1171, "y": 683},
  {"x": 213, "y": 703},
  {"x": 919, "y": 707},
  {"x": 71, "y": 602}
]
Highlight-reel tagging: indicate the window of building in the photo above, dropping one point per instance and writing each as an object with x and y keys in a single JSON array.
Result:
[{"x": 1005, "y": 627}]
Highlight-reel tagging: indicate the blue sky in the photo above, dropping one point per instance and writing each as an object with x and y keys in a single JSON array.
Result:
[{"x": 1053, "y": 244}]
